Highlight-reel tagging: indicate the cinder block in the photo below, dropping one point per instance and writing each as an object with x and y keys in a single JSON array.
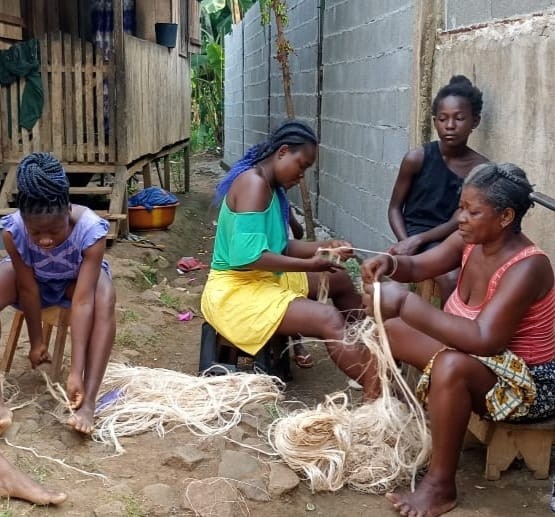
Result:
[
  {"x": 508, "y": 8},
  {"x": 469, "y": 12}
]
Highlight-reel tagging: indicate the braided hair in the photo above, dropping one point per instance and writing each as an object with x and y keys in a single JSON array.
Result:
[
  {"x": 460, "y": 86},
  {"x": 293, "y": 133},
  {"x": 42, "y": 184},
  {"x": 504, "y": 185}
]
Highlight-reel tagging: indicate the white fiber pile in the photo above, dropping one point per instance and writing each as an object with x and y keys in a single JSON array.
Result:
[
  {"x": 373, "y": 448},
  {"x": 137, "y": 399}
]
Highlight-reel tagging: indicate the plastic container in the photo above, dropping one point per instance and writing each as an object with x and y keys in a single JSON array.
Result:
[
  {"x": 159, "y": 218},
  {"x": 166, "y": 34}
]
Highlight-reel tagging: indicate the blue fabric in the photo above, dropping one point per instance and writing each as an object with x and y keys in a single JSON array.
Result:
[{"x": 151, "y": 197}]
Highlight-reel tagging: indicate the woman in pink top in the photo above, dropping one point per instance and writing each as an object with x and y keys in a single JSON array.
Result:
[{"x": 492, "y": 346}]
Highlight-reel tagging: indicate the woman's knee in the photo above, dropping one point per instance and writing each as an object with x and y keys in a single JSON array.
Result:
[
  {"x": 331, "y": 322},
  {"x": 105, "y": 296},
  {"x": 450, "y": 367}
]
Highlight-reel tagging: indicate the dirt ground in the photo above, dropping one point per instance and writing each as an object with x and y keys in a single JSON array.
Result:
[{"x": 149, "y": 334}]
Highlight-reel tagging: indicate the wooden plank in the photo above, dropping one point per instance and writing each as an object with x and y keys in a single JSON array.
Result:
[
  {"x": 119, "y": 190},
  {"x": 23, "y": 133},
  {"x": 78, "y": 81},
  {"x": 69, "y": 142},
  {"x": 99, "y": 78},
  {"x": 90, "y": 190},
  {"x": 8, "y": 186},
  {"x": 89, "y": 103},
  {"x": 121, "y": 84},
  {"x": 57, "y": 94},
  {"x": 112, "y": 117},
  {"x": 15, "y": 149},
  {"x": 35, "y": 137},
  {"x": 45, "y": 122},
  {"x": 12, "y": 20},
  {"x": 85, "y": 167},
  {"x": 105, "y": 214},
  {"x": 4, "y": 152}
]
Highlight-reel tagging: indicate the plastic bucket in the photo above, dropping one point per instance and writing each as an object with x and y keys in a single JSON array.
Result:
[{"x": 166, "y": 34}]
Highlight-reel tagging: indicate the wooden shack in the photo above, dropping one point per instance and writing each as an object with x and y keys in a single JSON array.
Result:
[{"x": 109, "y": 108}]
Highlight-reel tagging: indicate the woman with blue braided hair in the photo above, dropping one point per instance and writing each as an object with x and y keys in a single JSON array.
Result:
[
  {"x": 260, "y": 283},
  {"x": 56, "y": 257}
]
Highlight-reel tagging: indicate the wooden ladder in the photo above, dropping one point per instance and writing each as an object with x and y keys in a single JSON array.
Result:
[{"x": 116, "y": 214}]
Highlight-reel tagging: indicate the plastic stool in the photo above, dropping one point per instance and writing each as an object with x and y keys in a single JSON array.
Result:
[
  {"x": 51, "y": 317},
  {"x": 219, "y": 356}
]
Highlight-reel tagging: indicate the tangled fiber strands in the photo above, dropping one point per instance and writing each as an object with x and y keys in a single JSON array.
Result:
[
  {"x": 373, "y": 448},
  {"x": 160, "y": 400}
]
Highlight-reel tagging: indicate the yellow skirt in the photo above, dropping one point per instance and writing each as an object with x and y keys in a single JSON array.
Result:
[{"x": 246, "y": 307}]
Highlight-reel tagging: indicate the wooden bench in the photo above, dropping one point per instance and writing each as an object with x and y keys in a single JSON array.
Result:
[
  {"x": 51, "y": 317},
  {"x": 507, "y": 441}
]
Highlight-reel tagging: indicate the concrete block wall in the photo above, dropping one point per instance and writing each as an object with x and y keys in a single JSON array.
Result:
[
  {"x": 367, "y": 67},
  {"x": 256, "y": 81},
  {"x": 302, "y": 32},
  {"x": 469, "y": 12},
  {"x": 233, "y": 95}
]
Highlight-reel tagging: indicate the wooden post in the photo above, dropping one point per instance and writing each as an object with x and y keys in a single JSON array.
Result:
[
  {"x": 147, "y": 178},
  {"x": 427, "y": 21},
  {"x": 187, "y": 167},
  {"x": 167, "y": 175},
  {"x": 120, "y": 97}
]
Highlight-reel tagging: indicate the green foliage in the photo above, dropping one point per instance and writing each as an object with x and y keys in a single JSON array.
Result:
[
  {"x": 169, "y": 301},
  {"x": 207, "y": 74}
]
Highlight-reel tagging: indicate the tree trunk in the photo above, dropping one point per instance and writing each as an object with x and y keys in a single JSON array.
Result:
[{"x": 283, "y": 51}]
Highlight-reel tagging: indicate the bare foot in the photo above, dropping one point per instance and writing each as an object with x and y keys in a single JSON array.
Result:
[
  {"x": 14, "y": 483},
  {"x": 83, "y": 419},
  {"x": 430, "y": 500},
  {"x": 5, "y": 417}
]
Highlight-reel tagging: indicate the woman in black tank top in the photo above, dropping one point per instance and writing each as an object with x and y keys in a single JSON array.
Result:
[{"x": 425, "y": 197}]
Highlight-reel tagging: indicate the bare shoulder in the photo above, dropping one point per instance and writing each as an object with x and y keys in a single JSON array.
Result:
[
  {"x": 250, "y": 192},
  {"x": 533, "y": 274},
  {"x": 413, "y": 160}
]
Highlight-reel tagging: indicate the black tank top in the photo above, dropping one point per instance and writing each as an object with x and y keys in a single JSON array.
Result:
[{"x": 434, "y": 193}]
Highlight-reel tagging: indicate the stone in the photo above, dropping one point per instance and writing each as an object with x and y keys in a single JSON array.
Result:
[
  {"x": 213, "y": 497},
  {"x": 30, "y": 425},
  {"x": 282, "y": 479},
  {"x": 237, "y": 434},
  {"x": 122, "y": 490},
  {"x": 159, "y": 496},
  {"x": 186, "y": 457},
  {"x": 238, "y": 465},
  {"x": 113, "y": 509},
  {"x": 255, "y": 490}
]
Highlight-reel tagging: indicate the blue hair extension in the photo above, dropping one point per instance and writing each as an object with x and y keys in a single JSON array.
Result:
[{"x": 291, "y": 132}]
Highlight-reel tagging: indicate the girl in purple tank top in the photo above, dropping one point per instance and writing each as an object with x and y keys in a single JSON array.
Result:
[{"x": 56, "y": 257}]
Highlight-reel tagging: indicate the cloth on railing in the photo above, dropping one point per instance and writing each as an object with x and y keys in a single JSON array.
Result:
[
  {"x": 23, "y": 60},
  {"x": 151, "y": 197}
]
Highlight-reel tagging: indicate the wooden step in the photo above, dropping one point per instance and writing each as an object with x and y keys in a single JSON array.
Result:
[
  {"x": 88, "y": 191},
  {"x": 102, "y": 213}
]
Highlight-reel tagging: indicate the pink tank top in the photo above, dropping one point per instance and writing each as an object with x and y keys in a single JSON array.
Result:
[{"x": 534, "y": 339}]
